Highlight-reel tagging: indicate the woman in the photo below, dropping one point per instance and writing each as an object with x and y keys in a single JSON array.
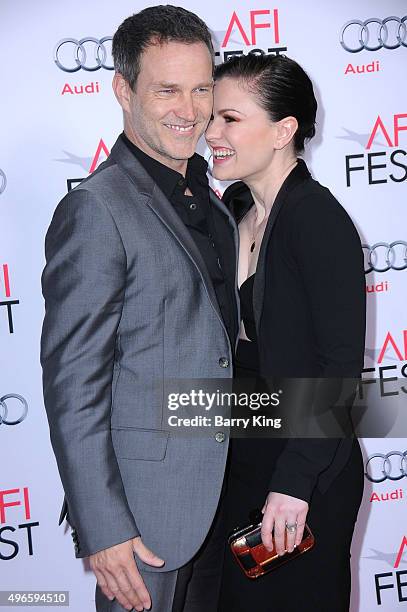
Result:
[{"x": 302, "y": 291}]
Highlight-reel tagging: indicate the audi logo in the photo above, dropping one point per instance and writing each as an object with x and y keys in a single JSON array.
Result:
[
  {"x": 22, "y": 410},
  {"x": 3, "y": 181},
  {"x": 389, "y": 33},
  {"x": 70, "y": 55},
  {"x": 382, "y": 257},
  {"x": 391, "y": 466}
]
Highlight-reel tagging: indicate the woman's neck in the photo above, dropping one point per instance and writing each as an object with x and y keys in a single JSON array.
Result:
[{"x": 264, "y": 188}]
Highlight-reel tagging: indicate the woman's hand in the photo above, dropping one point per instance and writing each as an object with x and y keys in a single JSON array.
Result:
[{"x": 279, "y": 511}]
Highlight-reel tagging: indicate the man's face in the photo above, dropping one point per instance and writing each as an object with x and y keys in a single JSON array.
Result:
[{"x": 172, "y": 102}]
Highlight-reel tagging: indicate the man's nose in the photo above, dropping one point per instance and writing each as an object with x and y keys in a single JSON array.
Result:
[{"x": 186, "y": 109}]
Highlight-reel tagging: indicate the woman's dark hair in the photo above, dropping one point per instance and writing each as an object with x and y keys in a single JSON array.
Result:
[
  {"x": 154, "y": 25},
  {"x": 281, "y": 87}
]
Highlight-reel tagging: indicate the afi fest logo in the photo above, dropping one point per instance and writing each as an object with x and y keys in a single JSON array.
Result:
[
  {"x": 5, "y": 301},
  {"x": 394, "y": 350},
  {"x": 243, "y": 29},
  {"x": 391, "y": 587},
  {"x": 16, "y": 526},
  {"x": 89, "y": 164},
  {"x": 389, "y": 163}
]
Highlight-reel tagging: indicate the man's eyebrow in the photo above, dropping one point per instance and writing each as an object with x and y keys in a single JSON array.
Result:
[
  {"x": 165, "y": 84},
  {"x": 168, "y": 85}
]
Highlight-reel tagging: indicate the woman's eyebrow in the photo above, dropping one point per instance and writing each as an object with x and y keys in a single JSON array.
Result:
[{"x": 228, "y": 110}]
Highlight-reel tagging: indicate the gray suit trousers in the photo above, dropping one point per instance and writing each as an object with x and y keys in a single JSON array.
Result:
[
  {"x": 162, "y": 584},
  {"x": 192, "y": 588}
]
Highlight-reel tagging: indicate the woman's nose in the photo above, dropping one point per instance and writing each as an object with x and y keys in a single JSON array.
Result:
[{"x": 212, "y": 131}]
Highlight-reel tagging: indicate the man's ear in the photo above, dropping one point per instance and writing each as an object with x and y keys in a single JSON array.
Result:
[
  {"x": 286, "y": 129},
  {"x": 122, "y": 91}
]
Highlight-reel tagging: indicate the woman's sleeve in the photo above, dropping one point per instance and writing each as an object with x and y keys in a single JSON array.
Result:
[{"x": 330, "y": 259}]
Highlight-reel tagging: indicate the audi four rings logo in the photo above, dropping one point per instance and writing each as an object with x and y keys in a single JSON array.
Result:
[
  {"x": 3, "y": 181},
  {"x": 382, "y": 257},
  {"x": 389, "y": 33},
  {"x": 5, "y": 418},
  {"x": 392, "y": 466},
  {"x": 70, "y": 55}
]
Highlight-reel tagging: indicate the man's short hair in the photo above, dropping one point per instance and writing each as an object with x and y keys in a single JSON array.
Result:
[{"x": 155, "y": 25}]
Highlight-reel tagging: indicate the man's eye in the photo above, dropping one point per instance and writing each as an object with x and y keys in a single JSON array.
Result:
[
  {"x": 166, "y": 91},
  {"x": 202, "y": 89}
]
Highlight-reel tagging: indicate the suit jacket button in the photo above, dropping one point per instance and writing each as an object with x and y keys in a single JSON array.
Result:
[
  {"x": 220, "y": 436},
  {"x": 224, "y": 362}
]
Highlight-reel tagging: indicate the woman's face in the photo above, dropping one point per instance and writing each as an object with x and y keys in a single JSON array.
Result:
[{"x": 241, "y": 135}]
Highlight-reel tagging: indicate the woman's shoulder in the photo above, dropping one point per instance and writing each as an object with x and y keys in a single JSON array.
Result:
[
  {"x": 312, "y": 203},
  {"x": 316, "y": 219},
  {"x": 308, "y": 203}
]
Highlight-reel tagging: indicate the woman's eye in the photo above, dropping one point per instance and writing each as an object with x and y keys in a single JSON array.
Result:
[{"x": 228, "y": 119}]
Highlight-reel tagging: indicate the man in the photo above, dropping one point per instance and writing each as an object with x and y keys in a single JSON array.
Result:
[{"x": 140, "y": 287}]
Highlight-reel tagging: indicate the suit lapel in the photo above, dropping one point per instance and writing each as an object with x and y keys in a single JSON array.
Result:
[
  {"x": 160, "y": 205},
  {"x": 220, "y": 207},
  {"x": 296, "y": 176},
  {"x": 260, "y": 277},
  {"x": 165, "y": 211}
]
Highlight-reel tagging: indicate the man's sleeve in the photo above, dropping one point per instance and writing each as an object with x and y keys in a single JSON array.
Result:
[
  {"x": 330, "y": 259},
  {"x": 83, "y": 285}
]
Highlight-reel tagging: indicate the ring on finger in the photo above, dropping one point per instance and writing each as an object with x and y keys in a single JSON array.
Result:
[{"x": 292, "y": 527}]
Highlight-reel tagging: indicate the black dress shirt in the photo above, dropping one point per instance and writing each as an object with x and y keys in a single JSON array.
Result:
[{"x": 196, "y": 213}]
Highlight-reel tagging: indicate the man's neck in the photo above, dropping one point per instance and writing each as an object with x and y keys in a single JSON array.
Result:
[{"x": 179, "y": 165}]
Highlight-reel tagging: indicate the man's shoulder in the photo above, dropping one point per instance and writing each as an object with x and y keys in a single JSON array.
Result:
[
  {"x": 103, "y": 174},
  {"x": 108, "y": 184},
  {"x": 99, "y": 191}
]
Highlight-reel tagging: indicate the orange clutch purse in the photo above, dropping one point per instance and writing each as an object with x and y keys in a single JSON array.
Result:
[{"x": 252, "y": 556}]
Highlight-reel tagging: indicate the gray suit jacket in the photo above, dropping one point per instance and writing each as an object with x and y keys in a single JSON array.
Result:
[{"x": 129, "y": 304}]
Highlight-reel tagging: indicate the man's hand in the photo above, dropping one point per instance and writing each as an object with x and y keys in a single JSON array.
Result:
[
  {"x": 118, "y": 576},
  {"x": 279, "y": 511}
]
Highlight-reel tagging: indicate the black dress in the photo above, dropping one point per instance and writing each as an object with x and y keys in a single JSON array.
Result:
[{"x": 319, "y": 580}]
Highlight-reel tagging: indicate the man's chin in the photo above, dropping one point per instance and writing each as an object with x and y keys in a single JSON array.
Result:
[{"x": 181, "y": 153}]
